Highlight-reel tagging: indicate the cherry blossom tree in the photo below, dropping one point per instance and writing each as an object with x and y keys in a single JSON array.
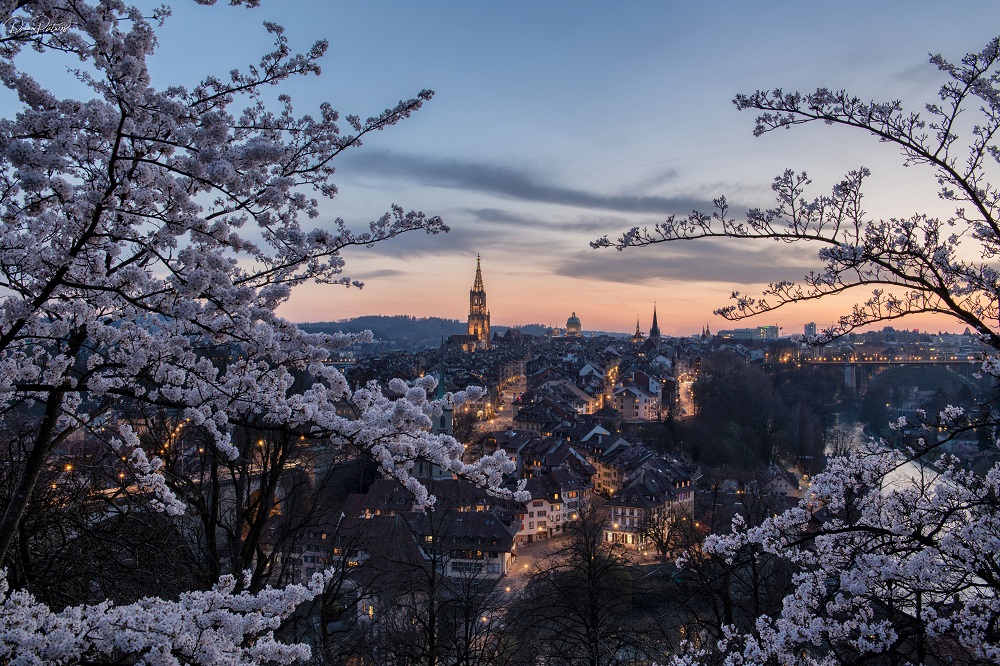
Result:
[
  {"x": 148, "y": 236},
  {"x": 896, "y": 556}
]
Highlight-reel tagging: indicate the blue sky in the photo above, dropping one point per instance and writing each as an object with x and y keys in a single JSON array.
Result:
[{"x": 555, "y": 122}]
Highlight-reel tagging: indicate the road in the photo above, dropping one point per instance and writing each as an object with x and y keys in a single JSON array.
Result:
[
  {"x": 532, "y": 557},
  {"x": 685, "y": 393},
  {"x": 504, "y": 418}
]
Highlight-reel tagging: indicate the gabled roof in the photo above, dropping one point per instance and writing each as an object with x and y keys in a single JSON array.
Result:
[
  {"x": 636, "y": 391},
  {"x": 554, "y": 485},
  {"x": 543, "y": 411},
  {"x": 625, "y": 456},
  {"x": 582, "y": 432},
  {"x": 398, "y": 531},
  {"x": 629, "y": 497}
]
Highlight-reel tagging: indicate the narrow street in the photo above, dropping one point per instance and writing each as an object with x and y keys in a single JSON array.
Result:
[
  {"x": 504, "y": 418},
  {"x": 685, "y": 394},
  {"x": 530, "y": 558}
]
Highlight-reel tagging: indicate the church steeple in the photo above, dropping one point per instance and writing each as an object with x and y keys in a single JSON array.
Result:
[
  {"x": 638, "y": 337},
  {"x": 478, "y": 284},
  {"x": 654, "y": 330},
  {"x": 442, "y": 425},
  {"x": 479, "y": 316}
]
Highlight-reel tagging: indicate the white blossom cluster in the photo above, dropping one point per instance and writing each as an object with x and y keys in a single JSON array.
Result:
[
  {"x": 383, "y": 419},
  {"x": 925, "y": 546},
  {"x": 205, "y": 627},
  {"x": 147, "y": 472}
]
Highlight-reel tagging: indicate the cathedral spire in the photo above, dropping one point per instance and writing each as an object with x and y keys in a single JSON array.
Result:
[
  {"x": 654, "y": 330},
  {"x": 478, "y": 285},
  {"x": 479, "y": 315}
]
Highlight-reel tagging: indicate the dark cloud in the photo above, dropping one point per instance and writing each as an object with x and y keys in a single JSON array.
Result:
[
  {"x": 726, "y": 262},
  {"x": 460, "y": 240},
  {"x": 648, "y": 177},
  {"x": 476, "y": 230},
  {"x": 507, "y": 182},
  {"x": 381, "y": 273},
  {"x": 504, "y": 217},
  {"x": 920, "y": 74},
  {"x": 464, "y": 239},
  {"x": 584, "y": 224}
]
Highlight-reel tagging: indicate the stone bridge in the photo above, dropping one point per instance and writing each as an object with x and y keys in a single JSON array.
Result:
[{"x": 860, "y": 374}]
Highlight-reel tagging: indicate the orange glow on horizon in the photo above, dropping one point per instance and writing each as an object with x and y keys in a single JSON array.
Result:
[{"x": 431, "y": 287}]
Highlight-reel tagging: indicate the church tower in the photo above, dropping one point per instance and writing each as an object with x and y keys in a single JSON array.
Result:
[
  {"x": 443, "y": 425},
  {"x": 654, "y": 330},
  {"x": 638, "y": 337},
  {"x": 479, "y": 316}
]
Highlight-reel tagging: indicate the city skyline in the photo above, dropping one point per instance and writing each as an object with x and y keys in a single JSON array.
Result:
[
  {"x": 477, "y": 323},
  {"x": 556, "y": 123}
]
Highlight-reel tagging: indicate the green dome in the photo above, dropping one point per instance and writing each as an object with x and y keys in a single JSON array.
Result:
[{"x": 573, "y": 320}]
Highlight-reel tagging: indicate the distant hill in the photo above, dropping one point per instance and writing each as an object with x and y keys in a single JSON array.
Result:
[{"x": 405, "y": 332}]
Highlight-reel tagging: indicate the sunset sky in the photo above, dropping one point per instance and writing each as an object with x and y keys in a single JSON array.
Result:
[{"x": 555, "y": 122}]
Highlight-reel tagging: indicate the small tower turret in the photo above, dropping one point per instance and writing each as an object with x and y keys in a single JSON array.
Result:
[{"x": 638, "y": 337}]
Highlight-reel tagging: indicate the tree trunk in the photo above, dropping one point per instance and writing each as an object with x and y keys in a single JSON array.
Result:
[{"x": 32, "y": 470}]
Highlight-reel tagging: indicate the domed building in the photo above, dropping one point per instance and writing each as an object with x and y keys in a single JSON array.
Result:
[{"x": 573, "y": 327}]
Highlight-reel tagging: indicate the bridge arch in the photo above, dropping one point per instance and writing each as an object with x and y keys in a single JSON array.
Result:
[
  {"x": 953, "y": 375},
  {"x": 862, "y": 375}
]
